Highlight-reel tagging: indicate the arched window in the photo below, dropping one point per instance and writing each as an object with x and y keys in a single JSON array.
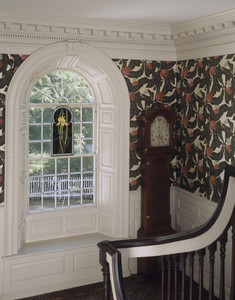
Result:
[
  {"x": 100, "y": 125},
  {"x": 61, "y": 142}
]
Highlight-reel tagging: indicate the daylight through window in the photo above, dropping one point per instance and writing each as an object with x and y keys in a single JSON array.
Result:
[{"x": 61, "y": 143}]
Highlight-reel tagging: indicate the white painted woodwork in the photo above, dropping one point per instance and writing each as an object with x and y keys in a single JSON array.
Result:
[
  {"x": 202, "y": 37},
  {"x": 45, "y": 267},
  {"x": 66, "y": 259},
  {"x": 109, "y": 215}
]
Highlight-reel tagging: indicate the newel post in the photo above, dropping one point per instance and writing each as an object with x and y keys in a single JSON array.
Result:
[{"x": 105, "y": 271}]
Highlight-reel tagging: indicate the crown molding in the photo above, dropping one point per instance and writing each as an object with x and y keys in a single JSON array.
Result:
[
  {"x": 24, "y": 33},
  {"x": 207, "y": 36}
]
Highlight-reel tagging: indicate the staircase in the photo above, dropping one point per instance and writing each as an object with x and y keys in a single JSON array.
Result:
[{"x": 180, "y": 254}]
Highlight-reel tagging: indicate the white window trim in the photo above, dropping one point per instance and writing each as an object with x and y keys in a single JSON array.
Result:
[{"x": 111, "y": 216}]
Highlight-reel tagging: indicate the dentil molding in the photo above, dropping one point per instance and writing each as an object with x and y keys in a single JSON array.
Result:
[{"x": 214, "y": 35}]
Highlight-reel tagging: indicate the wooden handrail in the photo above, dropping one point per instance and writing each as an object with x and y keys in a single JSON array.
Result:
[{"x": 197, "y": 239}]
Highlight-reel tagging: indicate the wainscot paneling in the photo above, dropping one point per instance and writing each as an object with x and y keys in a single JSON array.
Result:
[{"x": 55, "y": 265}]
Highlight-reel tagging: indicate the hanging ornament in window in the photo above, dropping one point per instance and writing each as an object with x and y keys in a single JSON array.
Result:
[{"x": 62, "y": 132}]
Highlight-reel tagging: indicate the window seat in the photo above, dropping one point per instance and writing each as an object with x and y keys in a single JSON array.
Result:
[{"x": 79, "y": 241}]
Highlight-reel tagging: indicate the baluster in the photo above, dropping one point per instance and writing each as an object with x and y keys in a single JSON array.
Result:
[
  {"x": 212, "y": 249},
  {"x": 183, "y": 266},
  {"x": 232, "y": 296},
  {"x": 201, "y": 254},
  {"x": 223, "y": 240},
  {"x": 163, "y": 267},
  {"x": 176, "y": 269},
  {"x": 169, "y": 272},
  {"x": 191, "y": 271}
]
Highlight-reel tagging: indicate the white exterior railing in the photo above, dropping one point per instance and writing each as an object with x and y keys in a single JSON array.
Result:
[{"x": 48, "y": 185}]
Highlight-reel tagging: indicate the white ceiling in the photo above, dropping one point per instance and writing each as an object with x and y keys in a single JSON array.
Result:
[{"x": 157, "y": 11}]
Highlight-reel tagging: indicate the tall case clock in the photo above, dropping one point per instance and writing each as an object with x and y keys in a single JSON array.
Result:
[{"x": 156, "y": 139}]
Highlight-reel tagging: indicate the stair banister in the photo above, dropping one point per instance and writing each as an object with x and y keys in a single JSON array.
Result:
[{"x": 188, "y": 241}]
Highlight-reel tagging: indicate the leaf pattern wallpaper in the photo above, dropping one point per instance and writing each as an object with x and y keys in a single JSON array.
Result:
[
  {"x": 8, "y": 66},
  {"x": 202, "y": 93}
]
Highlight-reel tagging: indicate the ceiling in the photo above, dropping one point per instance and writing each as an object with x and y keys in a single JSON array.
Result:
[{"x": 157, "y": 11}]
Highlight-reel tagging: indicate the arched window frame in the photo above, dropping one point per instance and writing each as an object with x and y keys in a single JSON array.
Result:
[{"x": 111, "y": 216}]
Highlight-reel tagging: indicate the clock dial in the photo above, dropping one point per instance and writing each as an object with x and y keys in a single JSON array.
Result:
[{"x": 159, "y": 132}]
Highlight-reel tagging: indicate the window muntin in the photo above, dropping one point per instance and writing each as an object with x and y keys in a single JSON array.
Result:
[{"x": 57, "y": 179}]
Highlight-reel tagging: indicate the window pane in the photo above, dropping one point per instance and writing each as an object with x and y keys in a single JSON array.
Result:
[
  {"x": 87, "y": 114},
  {"x": 35, "y": 187},
  {"x": 49, "y": 200},
  {"x": 35, "y": 202},
  {"x": 35, "y": 167},
  {"x": 49, "y": 184},
  {"x": 48, "y": 166},
  {"x": 62, "y": 191},
  {"x": 77, "y": 134},
  {"x": 34, "y": 115},
  {"x": 46, "y": 132},
  {"x": 47, "y": 115},
  {"x": 87, "y": 130},
  {"x": 77, "y": 114},
  {"x": 88, "y": 188},
  {"x": 87, "y": 146},
  {"x": 35, "y": 96},
  {"x": 87, "y": 164},
  {"x": 34, "y": 132},
  {"x": 75, "y": 164},
  {"x": 77, "y": 146},
  {"x": 84, "y": 91},
  {"x": 49, "y": 96},
  {"x": 62, "y": 165},
  {"x": 75, "y": 198},
  {"x": 46, "y": 148},
  {"x": 34, "y": 149},
  {"x": 75, "y": 189},
  {"x": 62, "y": 199}
]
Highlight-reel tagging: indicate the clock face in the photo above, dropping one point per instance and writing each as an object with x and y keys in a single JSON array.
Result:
[{"x": 159, "y": 132}]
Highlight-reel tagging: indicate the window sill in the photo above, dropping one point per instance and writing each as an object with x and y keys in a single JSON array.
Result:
[{"x": 69, "y": 243}]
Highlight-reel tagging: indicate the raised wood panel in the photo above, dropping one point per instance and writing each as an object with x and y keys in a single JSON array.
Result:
[
  {"x": 106, "y": 223},
  {"x": 107, "y": 117},
  {"x": 39, "y": 273},
  {"x": 106, "y": 190},
  {"x": 79, "y": 225},
  {"x": 38, "y": 229},
  {"x": 85, "y": 263},
  {"x": 39, "y": 269},
  {"x": 106, "y": 95},
  {"x": 107, "y": 149},
  {"x": 70, "y": 222}
]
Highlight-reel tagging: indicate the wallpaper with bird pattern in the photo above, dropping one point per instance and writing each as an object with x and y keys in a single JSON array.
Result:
[{"x": 201, "y": 91}]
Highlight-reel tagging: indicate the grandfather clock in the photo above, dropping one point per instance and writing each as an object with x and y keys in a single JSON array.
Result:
[{"x": 156, "y": 135}]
